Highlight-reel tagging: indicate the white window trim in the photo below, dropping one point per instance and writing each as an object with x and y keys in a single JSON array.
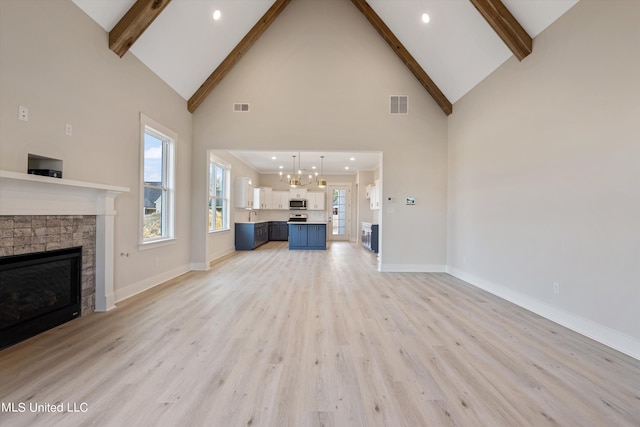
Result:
[
  {"x": 212, "y": 158},
  {"x": 147, "y": 123}
]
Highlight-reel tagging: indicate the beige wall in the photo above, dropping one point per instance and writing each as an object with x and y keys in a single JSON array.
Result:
[
  {"x": 544, "y": 176},
  {"x": 320, "y": 79},
  {"x": 56, "y": 61}
]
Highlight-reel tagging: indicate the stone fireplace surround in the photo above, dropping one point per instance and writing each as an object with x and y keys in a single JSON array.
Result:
[
  {"x": 26, "y": 234},
  {"x": 39, "y": 213}
]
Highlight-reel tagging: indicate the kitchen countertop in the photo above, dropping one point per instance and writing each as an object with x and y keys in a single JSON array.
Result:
[{"x": 253, "y": 222}]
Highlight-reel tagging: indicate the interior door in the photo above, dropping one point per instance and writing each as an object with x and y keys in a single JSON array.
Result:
[{"x": 339, "y": 221}]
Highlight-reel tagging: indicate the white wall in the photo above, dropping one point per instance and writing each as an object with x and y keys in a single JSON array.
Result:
[
  {"x": 55, "y": 60},
  {"x": 544, "y": 176},
  {"x": 320, "y": 79}
]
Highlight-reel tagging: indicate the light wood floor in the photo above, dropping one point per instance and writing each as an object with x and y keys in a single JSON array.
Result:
[{"x": 310, "y": 338}]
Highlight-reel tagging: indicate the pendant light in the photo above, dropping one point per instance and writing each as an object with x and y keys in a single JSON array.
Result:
[
  {"x": 322, "y": 183},
  {"x": 293, "y": 180}
]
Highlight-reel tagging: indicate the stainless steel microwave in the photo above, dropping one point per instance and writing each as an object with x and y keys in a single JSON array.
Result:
[{"x": 298, "y": 204}]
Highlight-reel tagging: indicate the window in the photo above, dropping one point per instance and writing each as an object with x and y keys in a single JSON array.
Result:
[
  {"x": 219, "y": 189},
  {"x": 157, "y": 213}
]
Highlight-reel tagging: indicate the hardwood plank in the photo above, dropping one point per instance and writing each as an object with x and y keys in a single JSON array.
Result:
[
  {"x": 506, "y": 26},
  {"x": 404, "y": 55},
  {"x": 236, "y": 54},
  {"x": 131, "y": 26},
  {"x": 274, "y": 337}
]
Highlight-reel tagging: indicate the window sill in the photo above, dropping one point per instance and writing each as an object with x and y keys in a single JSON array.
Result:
[
  {"x": 156, "y": 244},
  {"x": 222, "y": 230}
]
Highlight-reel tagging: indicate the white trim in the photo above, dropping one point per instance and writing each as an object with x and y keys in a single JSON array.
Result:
[
  {"x": 151, "y": 244},
  {"x": 199, "y": 266},
  {"x": 226, "y": 166},
  {"x": 220, "y": 230},
  {"x": 221, "y": 254},
  {"x": 603, "y": 334},
  {"x": 170, "y": 137},
  {"x": 351, "y": 228},
  {"x": 412, "y": 268},
  {"x": 122, "y": 294}
]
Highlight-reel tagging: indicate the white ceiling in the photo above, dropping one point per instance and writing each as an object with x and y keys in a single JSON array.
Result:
[{"x": 457, "y": 48}]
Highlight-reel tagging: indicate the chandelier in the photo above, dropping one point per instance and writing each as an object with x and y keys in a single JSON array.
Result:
[{"x": 295, "y": 178}]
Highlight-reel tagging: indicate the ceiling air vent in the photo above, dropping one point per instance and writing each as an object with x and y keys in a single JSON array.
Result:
[
  {"x": 398, "y": 104},
  {"x": 240, "y": 108}
]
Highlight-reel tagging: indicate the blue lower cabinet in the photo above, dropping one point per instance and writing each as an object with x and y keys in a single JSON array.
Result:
[
  {"x": 317, "y": 236},
  {"x": 278, "y": 231},
  {"x": 308, "y": 236},
  {"x": 251, "y": 235},
  {"x": 370, "y": 236},
  {"x": 297, "y": 236}
]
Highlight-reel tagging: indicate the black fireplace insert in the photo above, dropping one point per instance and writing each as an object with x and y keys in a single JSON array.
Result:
[{"x": 38, "y": 291}]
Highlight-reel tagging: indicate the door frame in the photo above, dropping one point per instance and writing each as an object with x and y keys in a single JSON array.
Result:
[{"x": 348, "y": 212}]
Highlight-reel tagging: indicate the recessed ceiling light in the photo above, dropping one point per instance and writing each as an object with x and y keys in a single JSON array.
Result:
[
  {"x": 274, "y": 158},
  {"x": 216, "y": 15},
  {"x": 280, "y": 167},
  {"x": 352, "y": 159},
  {"x": 425, "y": 18},
  {"x": 313, "y": 167},
  {"x": 346, "y": 167}
]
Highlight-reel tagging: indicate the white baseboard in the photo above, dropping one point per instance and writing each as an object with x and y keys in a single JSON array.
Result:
[
  {"x": 199, "y": 266},
  {"x": 220, "y": 254},
  {"x": 146, "y": 284},
  {"x": 412, "y": 268},
  {"x": 603, "y": 334}
]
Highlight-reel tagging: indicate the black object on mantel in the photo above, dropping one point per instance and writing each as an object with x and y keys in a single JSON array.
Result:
[{"x": 46, "y": 172}]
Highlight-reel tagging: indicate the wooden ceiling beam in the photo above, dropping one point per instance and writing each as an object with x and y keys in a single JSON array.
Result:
[
  {"x": 404, "y": 55},
  {"x": 236, "y": 54},
  {"x": 134, "y": 23},
  {"x": 506, "y": 26}
]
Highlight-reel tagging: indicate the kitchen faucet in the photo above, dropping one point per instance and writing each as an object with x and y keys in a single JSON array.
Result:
[{"x": 252, "y": 212}]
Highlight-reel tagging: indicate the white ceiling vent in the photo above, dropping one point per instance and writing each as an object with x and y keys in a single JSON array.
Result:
[
  {"x": 240, "y": 108},
  {"x": 399, "y": 104}
]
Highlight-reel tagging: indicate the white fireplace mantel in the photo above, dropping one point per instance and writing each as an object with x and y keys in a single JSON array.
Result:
[{"x": 24, "y": 194}]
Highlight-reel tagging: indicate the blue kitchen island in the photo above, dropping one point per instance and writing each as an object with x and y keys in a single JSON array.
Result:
[{"x": 307, "y": 235}]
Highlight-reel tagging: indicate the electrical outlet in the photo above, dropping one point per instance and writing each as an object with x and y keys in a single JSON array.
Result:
[
  {"x": 556, "y": 288},
  {"x": 68, "y": 129},
  {"x": 23, "y": 113}
]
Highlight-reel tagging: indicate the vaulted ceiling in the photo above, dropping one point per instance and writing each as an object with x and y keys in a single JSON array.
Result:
[{"x": 463, "y": 42}]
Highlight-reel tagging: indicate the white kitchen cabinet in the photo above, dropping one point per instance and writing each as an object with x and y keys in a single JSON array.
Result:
[
  {"x": 280, "y": 200},
  {"x": 262, "y": 198},
  {"x": 316, "y": 200},
  {"x": 298, "y": 193},
  {"x": 374, "y": 196},
  {"x": 368, "y": 191},
  {"x": 243, "y": 191}
]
